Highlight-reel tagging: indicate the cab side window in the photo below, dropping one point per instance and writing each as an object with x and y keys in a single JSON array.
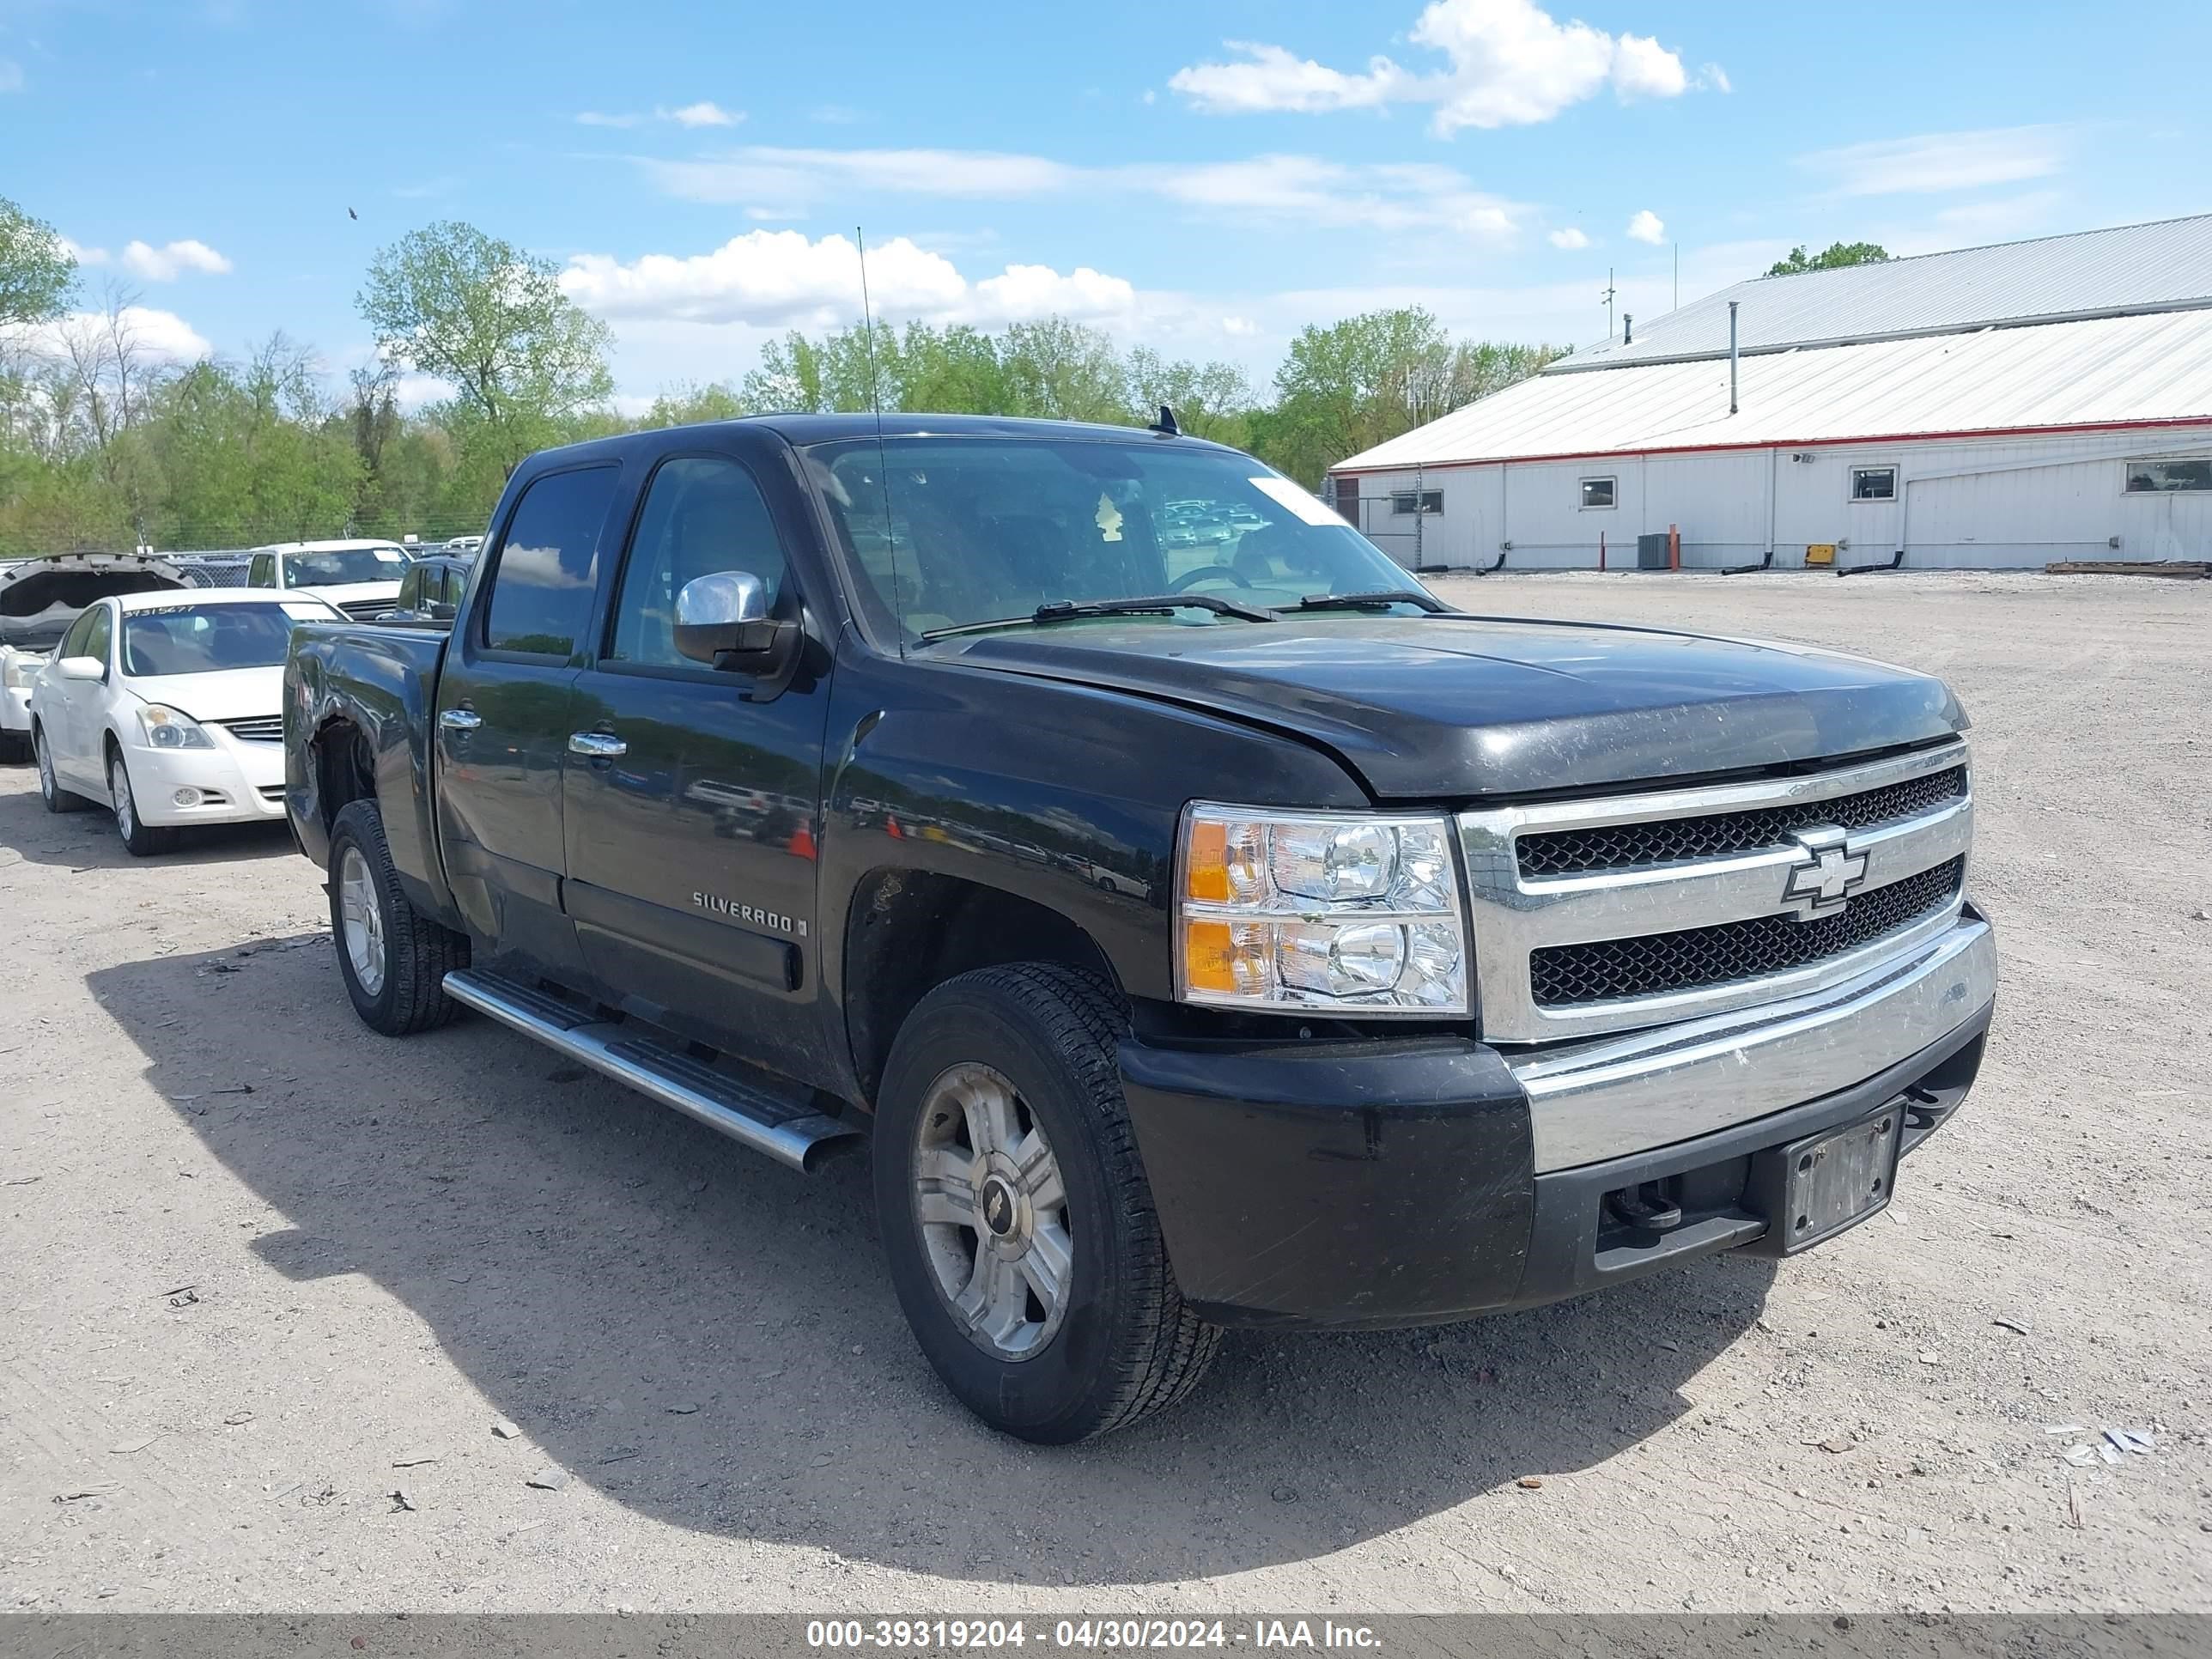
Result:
[
  {"x": 548, "y": 568},
  {"x": 702, "y": 515},
  {"x": 410, "y": 589},
  {"x": 261, "y": 571}
]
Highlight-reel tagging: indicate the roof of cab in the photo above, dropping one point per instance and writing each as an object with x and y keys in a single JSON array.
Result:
[
  {"x": 168, "y": 599},
  {"x": 800, "y": 430}
]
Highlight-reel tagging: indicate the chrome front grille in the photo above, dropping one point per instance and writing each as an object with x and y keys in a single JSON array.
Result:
[
  {"x": 1566, "y": 975},
  {"x": 260, "y": 728},
  {"x": 366, "y": 609},
  {"x": 1666, "y": 841},
  {"x": 1609, "y": 914}
]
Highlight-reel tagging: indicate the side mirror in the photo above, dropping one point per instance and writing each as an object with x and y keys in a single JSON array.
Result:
[
  {"x": 79, "y": 668},
  {"x": 722, "y": 620},
  {"x": 440, "y": 611}
]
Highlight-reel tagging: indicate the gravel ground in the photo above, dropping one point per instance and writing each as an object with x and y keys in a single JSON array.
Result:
[{"x": 262, "y": 1270}]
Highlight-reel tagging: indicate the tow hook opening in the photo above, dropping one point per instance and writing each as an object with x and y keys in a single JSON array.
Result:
[{"x": 1656, "y": 1206}]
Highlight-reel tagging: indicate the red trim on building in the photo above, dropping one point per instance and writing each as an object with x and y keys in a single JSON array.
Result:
[{"x": 1994, "y": 432}]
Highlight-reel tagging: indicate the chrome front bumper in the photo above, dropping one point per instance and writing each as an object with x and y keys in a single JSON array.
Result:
[{"x": 1616, "y": 1095}]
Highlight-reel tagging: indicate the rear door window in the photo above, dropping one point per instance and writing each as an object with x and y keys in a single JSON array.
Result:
[{"x": 548, "y": 567}]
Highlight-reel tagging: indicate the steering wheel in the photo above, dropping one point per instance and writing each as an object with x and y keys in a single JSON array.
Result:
[{"x": 1191, "y": 577}]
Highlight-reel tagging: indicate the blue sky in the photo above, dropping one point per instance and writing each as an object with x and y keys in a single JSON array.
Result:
[{"x": 1204, "y": 177}]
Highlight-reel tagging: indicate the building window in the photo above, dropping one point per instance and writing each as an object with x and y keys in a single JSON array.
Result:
[
  {"x": 1873, "y": 483},
  {"x": 2146, "y": 477},
  {"x": 1404, "y": 503},
  {"x": 1597, "y": 492},
  {"x": 1347, "y": 498}
]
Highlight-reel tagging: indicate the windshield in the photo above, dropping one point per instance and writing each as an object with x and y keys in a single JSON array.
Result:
[
  {"x": 982, "y": 529},
  {"x": 359, "y": 564},
  {"x": 184, "y": 639}
]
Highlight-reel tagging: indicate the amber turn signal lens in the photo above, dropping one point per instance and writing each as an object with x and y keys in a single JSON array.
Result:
[
  {"x": 1209, "y": 957},
  {"x": 1205, "y": 872}
]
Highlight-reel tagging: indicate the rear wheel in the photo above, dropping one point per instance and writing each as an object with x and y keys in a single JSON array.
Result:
[
  {"x": 394, "y": 958},
  {"x": 1015, "y": 1214},
  {"x": 58, "y": 800},
  {"x": 140, "y": 838}
]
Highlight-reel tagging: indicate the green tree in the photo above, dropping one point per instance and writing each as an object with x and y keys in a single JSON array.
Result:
[
  {"x": 247, "y": 455},
  {"x": 1061, "y": 371},
  {"x": 490, "y": 321},
  {"x": 1361, "y": 381},
  {"x": 688, "y": 404},
  {"x": 36, "y": 270},
  {"x": 1834, "y": 257},
  {"x": 1210, "y": 400}
]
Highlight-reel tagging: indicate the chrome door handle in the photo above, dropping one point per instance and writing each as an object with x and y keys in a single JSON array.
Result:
[
  {"x": 600, "y": 745},
  {"x": 460, "y": 719}
]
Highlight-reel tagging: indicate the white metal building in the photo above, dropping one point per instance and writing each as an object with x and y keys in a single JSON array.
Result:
[{"x": 1993, "y": 407}]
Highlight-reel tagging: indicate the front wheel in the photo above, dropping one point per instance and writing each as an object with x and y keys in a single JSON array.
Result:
[
  {"x": 1015, "y": 1214},
  {"x": 393, "y": 959},
  {"x": 140, "y": 838}
]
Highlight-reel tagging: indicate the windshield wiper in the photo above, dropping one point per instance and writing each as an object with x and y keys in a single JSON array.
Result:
[
  {"x": 1163, "y": 604},
  {"x": 1378, "y": 601}
]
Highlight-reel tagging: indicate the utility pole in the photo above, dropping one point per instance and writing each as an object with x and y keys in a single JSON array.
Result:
[
  {"x": 1678, "y": 276},
  {"x": 1607, "y": 297}
]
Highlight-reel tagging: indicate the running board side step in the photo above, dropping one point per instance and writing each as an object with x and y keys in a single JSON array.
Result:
[{"x": 790, "y": 1134}]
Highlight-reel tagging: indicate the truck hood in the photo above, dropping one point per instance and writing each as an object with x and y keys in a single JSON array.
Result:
[
  {"x": 230, "y": 694},
  {"x": 1438, "y": 707}
]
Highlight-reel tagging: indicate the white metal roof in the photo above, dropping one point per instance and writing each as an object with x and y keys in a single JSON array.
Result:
[
  {"x": 2118, "y": 370},
  {"x": 2153, "y": 267}
]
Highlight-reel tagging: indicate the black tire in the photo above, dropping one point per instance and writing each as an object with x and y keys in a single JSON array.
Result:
[
  {"x": 58, "y": 800},
  {"x": 418, "y": 951},
  {"x": 1125, "y": 1346},
  {"x": 140, "y": 838}
]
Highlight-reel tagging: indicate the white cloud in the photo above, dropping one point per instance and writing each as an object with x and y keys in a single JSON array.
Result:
[
  {"x": 1569, "y": 239},
  {"x": 1509, "y": 63},
  {"x": 82, "y": 255},
  {"x": 1239, "y": 328},
  {"x": 11, "y": 75},
  {"x": 172, "y": 259},
  {"x": 1269, "y": 78},
  {"x": 781, "y": 183},
  {"x": 1647, "y": 226},
  {"x": 161, "y": 336},
  {"x": 781, "y": 279},
  {"x": 703, "y": 114},
  {"x": 1942, "y": 161},
  {"x": 1713, "y": 75},
  {"x": 785, "y": 180}
]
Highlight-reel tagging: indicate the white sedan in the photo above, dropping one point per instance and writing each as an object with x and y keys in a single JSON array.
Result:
[{"x": 168, "y": 708}]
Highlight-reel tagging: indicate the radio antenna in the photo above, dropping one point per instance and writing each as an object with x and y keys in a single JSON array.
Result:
[{"x": 882, "y": 451}]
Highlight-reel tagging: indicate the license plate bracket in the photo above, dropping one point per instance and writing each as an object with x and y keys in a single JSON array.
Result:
[{"x": 1824, "y": 1184}]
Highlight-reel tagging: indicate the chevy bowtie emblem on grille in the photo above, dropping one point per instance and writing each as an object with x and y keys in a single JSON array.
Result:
[{"x": 1827, "y": 873}]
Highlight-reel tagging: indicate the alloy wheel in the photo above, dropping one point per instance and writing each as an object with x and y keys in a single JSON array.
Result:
[{"x": 992, "y": 1212}]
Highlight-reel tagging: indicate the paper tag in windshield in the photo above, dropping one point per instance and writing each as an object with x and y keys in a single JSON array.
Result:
[
  {"x": 299, "y": 612},
  {"x": 388, "y": 555},
  {"x": 1310, "y": 509}
]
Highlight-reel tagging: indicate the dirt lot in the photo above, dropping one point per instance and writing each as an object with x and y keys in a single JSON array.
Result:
[{"x": 262, "y": 1268}]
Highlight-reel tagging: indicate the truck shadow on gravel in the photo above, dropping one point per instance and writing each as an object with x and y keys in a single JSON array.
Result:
[
  {"x": 87, "y": 841},
  {"x": 710, "y": 1338}
]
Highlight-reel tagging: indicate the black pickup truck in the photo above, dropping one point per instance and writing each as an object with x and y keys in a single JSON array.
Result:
[{"x": 1193, "y": 933}]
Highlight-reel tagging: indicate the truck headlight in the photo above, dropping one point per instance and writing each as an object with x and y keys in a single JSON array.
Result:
[
  {"x": 167, "y": 728},
  {"x": 18, "y": 672},
  {"x": 1317, "y": 910}
]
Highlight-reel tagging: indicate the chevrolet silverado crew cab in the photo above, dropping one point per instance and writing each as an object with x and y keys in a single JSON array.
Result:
[{"x": 1194, "y": 931}]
